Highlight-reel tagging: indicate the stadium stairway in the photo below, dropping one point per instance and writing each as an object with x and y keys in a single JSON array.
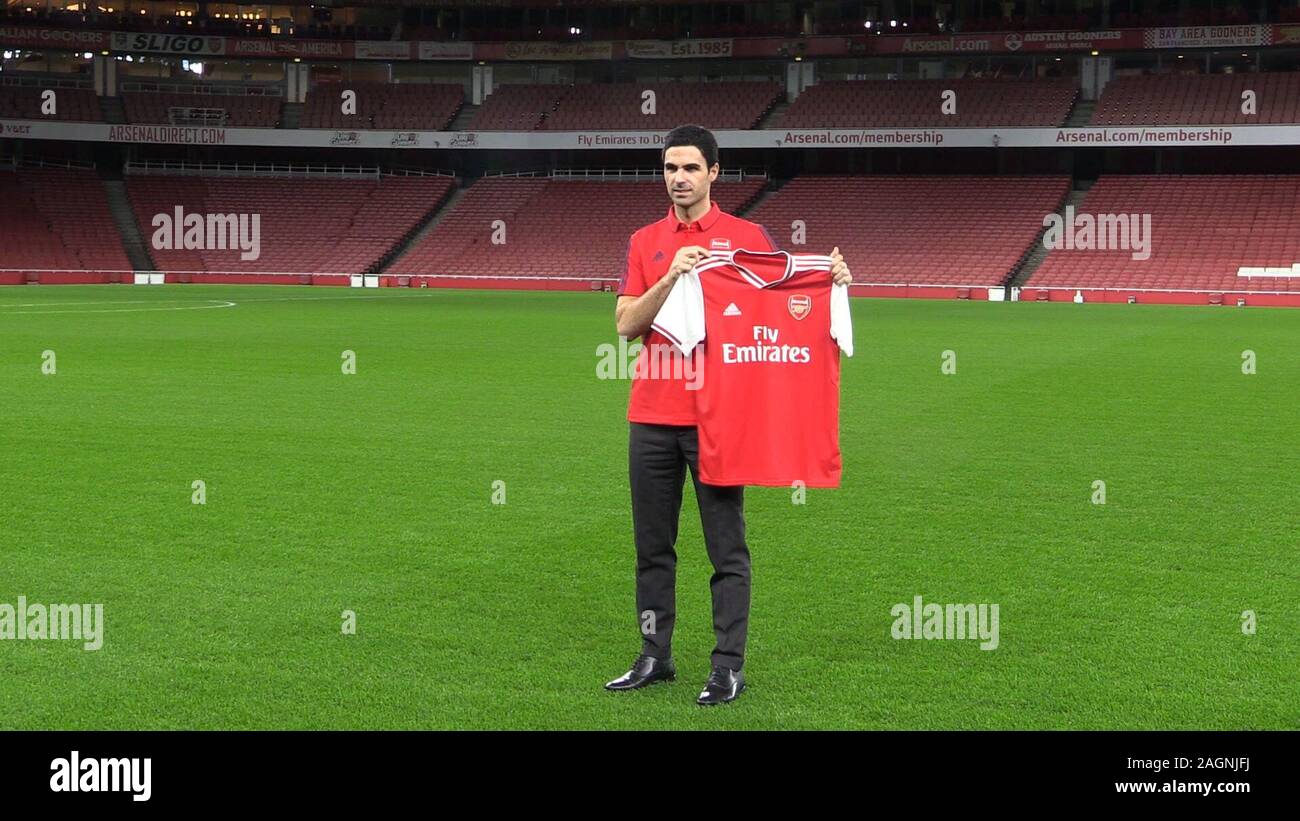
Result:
[
  {"x": 463, "y": 118},
  {"x": 1038, "y": 254},
  {"x": 772, "y": 119},
  {"x": 120, "y": 207},
  {"x": 290, "y": 115},
  {"x": 768, "y": 190},
  {"x": 1081, "y": 114},
  {"x": 112, "y": 109},
  {"x": 416, "y": 234}
]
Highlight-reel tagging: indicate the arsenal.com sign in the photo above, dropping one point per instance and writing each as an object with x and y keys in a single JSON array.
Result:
[
  {"x": 1008, "y": 43},
  {"x": 169, "y": 44}
]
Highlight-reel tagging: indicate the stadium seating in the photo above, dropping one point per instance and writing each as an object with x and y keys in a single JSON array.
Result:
[
  {"x": 419, "y": 106},
  {"x": 54, "y": 219},
  {"x": 71, "y": 104},
  {"x": 1198, "y": 99},
  {"x": 308, "y": 225},
  {"x": 517, "y": 107},
  {"x": 585, "y": 107},
  {"x": 554, "y": 228},
  {"x": 980, "y": 103},
  {"x": 1203, "y": 229},
  {"x": 243, "y": 111},
  {"x": 960, "y": 230}
]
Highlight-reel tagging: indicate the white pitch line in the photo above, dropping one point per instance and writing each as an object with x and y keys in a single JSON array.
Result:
[
  {"x": 99, "y": 302},
  {"x": 319, "y": 298},
  {"x": 223, "y": 304}
]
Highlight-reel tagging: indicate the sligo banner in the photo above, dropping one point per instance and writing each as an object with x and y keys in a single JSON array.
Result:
[
  {"x": 675, "y": 49},
  {"x": 1208, "y": 37},
  {"x": 190, "y": 44}
]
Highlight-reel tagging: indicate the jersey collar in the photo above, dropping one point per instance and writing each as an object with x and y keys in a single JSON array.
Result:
[
  {"x": 767, "y": 258},
  {"x": 704, "y": 223}
]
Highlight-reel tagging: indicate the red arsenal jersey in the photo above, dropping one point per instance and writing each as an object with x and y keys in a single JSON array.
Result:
[
  {"x": 662, "y": 375},
  {"x": 772, "y": 325}
]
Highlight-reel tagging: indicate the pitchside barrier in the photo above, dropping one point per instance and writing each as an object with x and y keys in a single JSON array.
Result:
[{"x": 991, "y": 293}]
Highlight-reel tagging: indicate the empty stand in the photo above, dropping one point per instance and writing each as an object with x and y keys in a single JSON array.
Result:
[
  {"x": 1198, "y": 99},
  {"x": 71, "y": 104},
  {"x": 980, "y": 103},
  {"x": 1203, "y": 228},
  {"x": 618, "y": 106},
  {"x": 308, "y": 225},
  {"x": 517, "y": 107},
  {"x": 418, "y": 106},
  {"x": 57, "y": 220},
  {"x": 242, "y": 111},
  {"x": 962, "y": 230},
  {"x": 554, "y": 227}
]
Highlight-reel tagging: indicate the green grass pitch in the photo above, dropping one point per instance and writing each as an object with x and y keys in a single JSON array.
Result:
[{"x": 372, "y": 492}]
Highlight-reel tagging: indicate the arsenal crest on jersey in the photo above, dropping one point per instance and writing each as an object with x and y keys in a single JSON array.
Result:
[{"x": 799, "y": 305}]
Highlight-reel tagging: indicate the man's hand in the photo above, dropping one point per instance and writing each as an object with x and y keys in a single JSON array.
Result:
[
  {"x": 685, "y": 260},
  {"x": 633, "y": 315},
  {"x": 839, "y": 271}
]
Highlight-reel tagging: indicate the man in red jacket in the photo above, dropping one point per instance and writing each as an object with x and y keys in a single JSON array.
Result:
[{"x": 661, "y": 412}]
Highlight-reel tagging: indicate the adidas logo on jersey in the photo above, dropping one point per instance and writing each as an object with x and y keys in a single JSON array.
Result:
[{"x": 731, "y": 310}]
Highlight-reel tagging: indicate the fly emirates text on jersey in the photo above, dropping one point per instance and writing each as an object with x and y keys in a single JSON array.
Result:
[{"x": 765, "y": 349}]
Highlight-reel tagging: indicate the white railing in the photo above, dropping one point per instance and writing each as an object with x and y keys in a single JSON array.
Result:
[
  {"x": 14, "y": 163},
  {"x": 218, "y": 89},
  {"x": 642, "y": 174},
  {"x": 256, "y": 169},
  {"x": 191, "y": 115},
  {"x": 418, "y": 172},
  {"x": 41, "y": 162},
  {"x": 45, "y": 81}
]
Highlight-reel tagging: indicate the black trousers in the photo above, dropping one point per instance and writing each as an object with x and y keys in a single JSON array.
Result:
[{"x": 658, "y": 456}]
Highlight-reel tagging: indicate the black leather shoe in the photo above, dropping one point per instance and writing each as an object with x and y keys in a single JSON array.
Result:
[
  {"x": 645, "y": 670},
  {"x": 724, "y": 685}
]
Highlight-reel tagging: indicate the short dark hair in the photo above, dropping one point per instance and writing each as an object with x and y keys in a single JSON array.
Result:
[{"x": 695, "y": 135}]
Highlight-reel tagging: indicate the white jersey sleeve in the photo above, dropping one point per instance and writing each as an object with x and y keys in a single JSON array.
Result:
[
  {"x": 681, "y": 317},
  {"x": 841, "y": 319}
]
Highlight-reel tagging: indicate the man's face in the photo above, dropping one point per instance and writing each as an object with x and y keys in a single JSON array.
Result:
[{"x": 687, "y": 179}]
